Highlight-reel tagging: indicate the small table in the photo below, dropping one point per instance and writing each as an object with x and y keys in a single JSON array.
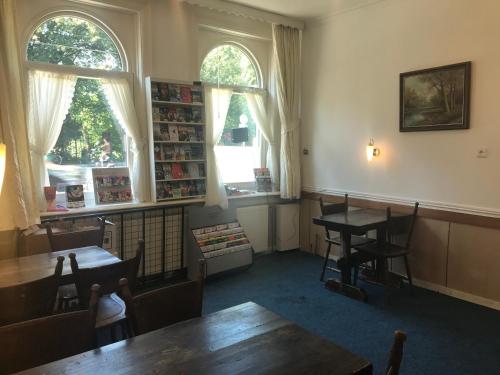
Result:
[
  {"x": 242, "y": 339},
  {"x": 21, "y": 270},
  {"x": 357, "y": 221}
]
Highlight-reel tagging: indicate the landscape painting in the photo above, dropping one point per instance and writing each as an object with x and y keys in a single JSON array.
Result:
[{"x": 435, "y": 99}]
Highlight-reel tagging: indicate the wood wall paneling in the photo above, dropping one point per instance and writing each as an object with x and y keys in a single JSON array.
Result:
[
  {"x": 428, "y": 254},
  {"x": 474, "y": 260}
]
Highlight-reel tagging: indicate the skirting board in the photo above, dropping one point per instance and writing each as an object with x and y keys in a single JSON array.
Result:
[
  {"x": 449, "y": 292},
  {"x": 458, "y": 294}
]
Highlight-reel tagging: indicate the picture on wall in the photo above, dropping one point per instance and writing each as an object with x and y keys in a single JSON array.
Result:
[{"x": 435, "y": 99}]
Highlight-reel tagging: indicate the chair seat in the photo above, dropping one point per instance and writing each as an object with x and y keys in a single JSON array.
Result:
[
  {"x": 386, "y": 250},
  {"x": 110, "y": 310},
  {"x": 355, "y": 240}
]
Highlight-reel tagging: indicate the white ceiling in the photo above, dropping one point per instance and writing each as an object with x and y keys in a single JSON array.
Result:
[{"x": 304, "y": 9}]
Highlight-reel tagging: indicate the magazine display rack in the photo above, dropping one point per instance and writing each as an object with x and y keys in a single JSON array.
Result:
[
  {"x": 223, "y": 245},
  {"x": 176, "y": 113}
]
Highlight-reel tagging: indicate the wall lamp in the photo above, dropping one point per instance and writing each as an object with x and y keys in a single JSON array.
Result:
[{"x": 371, "y": 150}]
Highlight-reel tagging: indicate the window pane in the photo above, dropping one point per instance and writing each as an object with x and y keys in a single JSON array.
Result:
[
  {"x": 229, "y": 65},
  {"x": 73, "y": 41},
  {"x": 90, "y": 137},
  {"x": 238, "y": 116}
]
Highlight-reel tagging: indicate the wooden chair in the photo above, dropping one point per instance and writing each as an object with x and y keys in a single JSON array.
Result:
[
  {"x": 334, "y": 238},
  {"x": 396, "y": 354},
  {"x": 93, "y": 236},
  {"x": 30, "y": 300},
  {"x": 111, "y": 310},
  {"x": 397, "y": 227},
  {"x": 162, "y": 307},
  {"x": 36, "y": 342}
]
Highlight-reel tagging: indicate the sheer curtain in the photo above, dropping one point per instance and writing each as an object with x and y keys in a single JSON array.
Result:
[
  {"x": 119, "y": 95},
  {"x": 18, "y": 199},
  {"x": 216, "y": 105},
  {"x": 257, "y": 106},
  {"x": 286, "y": 63},
  {"x": 50, "y": 95}
]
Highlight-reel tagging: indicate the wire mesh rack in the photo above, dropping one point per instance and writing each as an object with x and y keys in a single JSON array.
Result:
[{"x": 162, "y": 229}]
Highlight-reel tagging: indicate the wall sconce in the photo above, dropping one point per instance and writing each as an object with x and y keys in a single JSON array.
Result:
[{"x": 371, "y": 150}]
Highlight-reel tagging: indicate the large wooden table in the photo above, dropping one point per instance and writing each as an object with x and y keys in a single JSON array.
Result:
[
  {"x": 29, "y": 268},
  {"x": 244, "y": 339},
  {"x": 358, "y": 222}
]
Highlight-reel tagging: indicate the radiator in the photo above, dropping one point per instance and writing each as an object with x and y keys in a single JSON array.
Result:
[{"x": 255, "y": 222}]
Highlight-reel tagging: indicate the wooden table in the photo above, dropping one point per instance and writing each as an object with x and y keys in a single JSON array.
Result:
[
  {"x": 357, "y": 222},
  {"x": 25, "y": 269},
  {"x": 245, "y": 339}
]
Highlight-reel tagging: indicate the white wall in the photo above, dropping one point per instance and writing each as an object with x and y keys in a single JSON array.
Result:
[{"x": 351, "y": 66}]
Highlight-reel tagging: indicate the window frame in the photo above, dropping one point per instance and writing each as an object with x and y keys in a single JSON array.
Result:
[
  {"x": 79, "y": 72},
  {"x": 239, "y": 90},
  {"x": 249, "y": 55}
]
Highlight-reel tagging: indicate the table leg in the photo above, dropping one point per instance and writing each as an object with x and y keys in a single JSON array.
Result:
[
  {"x": 344, "y": 286},
  {"x": 346, "y": 252},
  {"x": 381, "y": 263}
]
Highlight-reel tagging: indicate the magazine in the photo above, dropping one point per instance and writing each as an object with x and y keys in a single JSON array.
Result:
[
  {"x": 186, "y": 94},
  {"x": 74, "y": 196},
  {"x": 173, "y": 133}
]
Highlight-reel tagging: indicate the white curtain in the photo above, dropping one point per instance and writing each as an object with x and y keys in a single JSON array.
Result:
[
  {"x": 216, "y": 105},
  {"x": 50, "y": 95},
  {"x": 257, "y": 106},
  {"x": 286, "y": 61},
  {"x": 120, "y": 99},
  {"x": 18, "y": 199}
]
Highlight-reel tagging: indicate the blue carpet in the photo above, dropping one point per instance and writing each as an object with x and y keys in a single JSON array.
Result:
[{"x": 445, "y": 335}]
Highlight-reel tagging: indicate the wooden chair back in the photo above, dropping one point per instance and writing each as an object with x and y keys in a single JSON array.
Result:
[
  {"x": 107, "y": 277},
  {"x": 396, "y": 354},
  {"x": 333, "y": 208},
  {"x": 401, "y": 225},
  {"x": 161, "y": 307},
  {"x": 80, "y": 238},
  {"x": 36, "y": 342},
  {"x": 30, "y": 300}
]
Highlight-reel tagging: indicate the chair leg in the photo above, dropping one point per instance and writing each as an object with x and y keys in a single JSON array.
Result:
[
  {"x": 387, "y": 287},
  {"x": 327, "y": 255},
  {"x": 355, "y": 276},
  {"x": 408, "y": 274}
]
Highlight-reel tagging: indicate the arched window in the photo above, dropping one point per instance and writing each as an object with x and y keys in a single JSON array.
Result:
[
  {"x": 71, "y": 40},
  {"x": 90, "y": 135},
  {"x": 231, "y": 65}
]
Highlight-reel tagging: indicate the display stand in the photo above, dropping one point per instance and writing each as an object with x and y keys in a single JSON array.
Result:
[
  {"x": 176, "y": 113},
  {"x": 216, "y": 236}
]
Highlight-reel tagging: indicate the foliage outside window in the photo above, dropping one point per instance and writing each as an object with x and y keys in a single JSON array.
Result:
[
  {"x": 90, "y": 135},
  {"x": 229, "y": 65},
  {"x": 69, "y": 40}
]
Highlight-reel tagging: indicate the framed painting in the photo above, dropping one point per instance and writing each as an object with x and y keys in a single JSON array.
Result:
[{"x": 435, "y": 99}]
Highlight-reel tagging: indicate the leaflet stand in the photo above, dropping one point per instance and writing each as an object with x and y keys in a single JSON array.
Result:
[{"x": 216, "y": 236}]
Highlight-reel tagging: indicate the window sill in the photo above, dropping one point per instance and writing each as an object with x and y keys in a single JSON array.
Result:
[
  {"x": 254, "y": 194},
  {"x": 111, "y": 208}
]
